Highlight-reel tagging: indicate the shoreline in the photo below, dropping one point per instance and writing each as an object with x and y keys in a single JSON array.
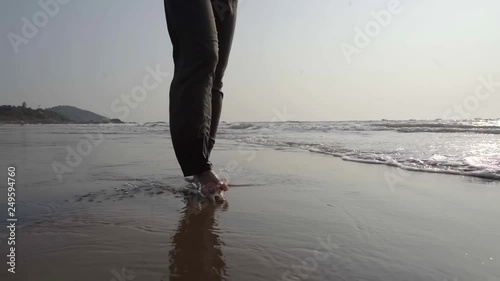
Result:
[
  {"x": 298, "y": 214},
  {"x": 50, "y": 122}
]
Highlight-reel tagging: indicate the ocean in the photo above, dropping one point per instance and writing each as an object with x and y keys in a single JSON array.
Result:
[
  {"x": 351, "y": 200},
  {"x": 466, "y": 147}
]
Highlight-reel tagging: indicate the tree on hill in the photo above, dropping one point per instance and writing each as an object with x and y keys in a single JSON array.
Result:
[
  {"x": 17, "y": 113},
  {"x": 58, "y": 114}
]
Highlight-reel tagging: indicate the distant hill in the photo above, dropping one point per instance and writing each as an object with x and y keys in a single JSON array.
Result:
[
  {"x": 79, "y": 115},
  {"x": 57, "y": 114},
  {"x": 14, "y": 114}
]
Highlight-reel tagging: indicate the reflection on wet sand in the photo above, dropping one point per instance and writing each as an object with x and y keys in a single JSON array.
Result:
[{"x": 197, "y": 253}]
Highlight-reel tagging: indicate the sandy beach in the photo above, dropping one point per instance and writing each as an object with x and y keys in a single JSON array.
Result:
[
  {"x": 360, "y": 140},
  {"x": 291, "y": 215}
]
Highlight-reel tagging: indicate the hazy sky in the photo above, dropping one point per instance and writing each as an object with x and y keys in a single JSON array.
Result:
[{"x": 286, "y": 57}]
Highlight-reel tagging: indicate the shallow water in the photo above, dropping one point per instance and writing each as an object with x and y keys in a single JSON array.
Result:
[
  {"x": 467, "y": 147},
  {"x": 292, "y": 215}
]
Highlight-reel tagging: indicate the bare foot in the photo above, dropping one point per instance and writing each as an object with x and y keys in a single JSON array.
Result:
[
  {"x": 222, "y": 183},
  {"x": 211, "y": 186}
]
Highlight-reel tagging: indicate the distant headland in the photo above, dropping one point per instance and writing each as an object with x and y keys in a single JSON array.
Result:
[{"x": 62, "y": 114}]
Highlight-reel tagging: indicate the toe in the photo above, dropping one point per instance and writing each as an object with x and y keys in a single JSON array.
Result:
[{"x": 223, "y": 186}]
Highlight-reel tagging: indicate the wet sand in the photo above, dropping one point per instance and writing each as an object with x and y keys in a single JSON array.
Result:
[{"x": 121, "y": 215}]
